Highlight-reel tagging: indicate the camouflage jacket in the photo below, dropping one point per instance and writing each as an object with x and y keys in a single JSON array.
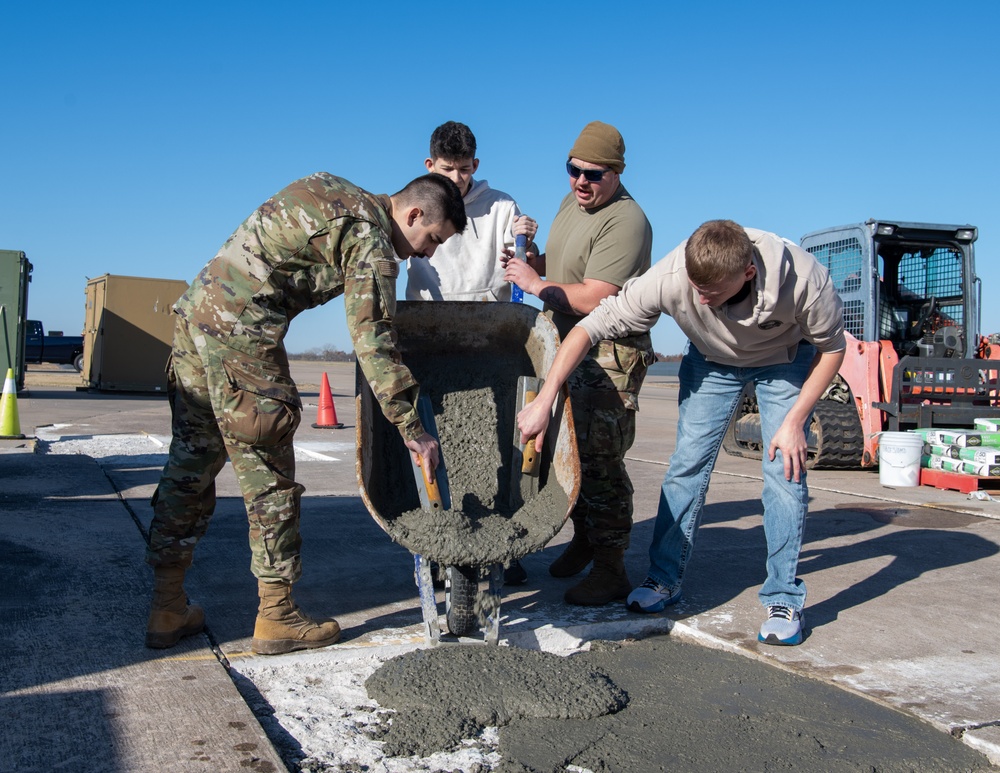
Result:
[{"x": 318, "y": 238}]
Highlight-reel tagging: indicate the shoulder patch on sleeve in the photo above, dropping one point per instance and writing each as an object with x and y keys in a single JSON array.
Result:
[{"x": 387, "y": 267}]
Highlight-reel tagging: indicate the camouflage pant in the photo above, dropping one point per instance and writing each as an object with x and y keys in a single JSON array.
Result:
[
  {"x": 224, "y": 402},
  {"x": 604, "y": 393}
]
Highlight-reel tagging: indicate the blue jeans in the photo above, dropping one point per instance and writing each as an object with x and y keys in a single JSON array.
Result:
[{"x": 709, "y": 394}]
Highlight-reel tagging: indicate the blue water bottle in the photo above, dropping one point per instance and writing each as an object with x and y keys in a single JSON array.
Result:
[{"x": 520, "y": 241}]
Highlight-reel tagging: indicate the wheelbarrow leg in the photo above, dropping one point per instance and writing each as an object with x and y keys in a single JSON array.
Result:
[
  {"x": 491, "y": 634},
  {"x": 428, "y": 604}
]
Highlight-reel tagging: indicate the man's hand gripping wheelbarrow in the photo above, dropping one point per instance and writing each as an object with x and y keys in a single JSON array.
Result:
[
  {"x": 534, "y": 419},
  {"x": 426, "y": 452}
]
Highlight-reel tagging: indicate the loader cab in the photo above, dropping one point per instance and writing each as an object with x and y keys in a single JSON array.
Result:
[{"x": 912, "y": 284}]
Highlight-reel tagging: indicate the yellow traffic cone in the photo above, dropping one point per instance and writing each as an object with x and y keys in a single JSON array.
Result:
[{"x": 10, "y": 424}]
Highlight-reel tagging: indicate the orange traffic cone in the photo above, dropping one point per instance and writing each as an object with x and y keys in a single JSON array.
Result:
[
  {"x": 10, "y": 423},
  {"x": 326, "y": 416}
]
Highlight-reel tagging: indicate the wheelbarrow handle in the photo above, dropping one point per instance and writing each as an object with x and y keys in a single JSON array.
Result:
[
  {"x": 530, "y": 458},
  {"x": 431, "y": 486}
]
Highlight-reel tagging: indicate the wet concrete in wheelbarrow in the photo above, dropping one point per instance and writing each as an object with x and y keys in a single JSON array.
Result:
[
  {"x": 601, "y": 710},
  {"x": 475, "y": 415}
]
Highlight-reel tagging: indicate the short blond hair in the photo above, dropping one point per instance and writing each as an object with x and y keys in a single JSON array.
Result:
[{"x": 717, "y": 251}]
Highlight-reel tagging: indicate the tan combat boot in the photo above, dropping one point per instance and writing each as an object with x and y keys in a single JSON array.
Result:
[
  {"x": 282, "y": 627},
  {"x": 606, "y": 582},
  {"x": 575, "y": 557},
  {"x": 170, "y": 616}
]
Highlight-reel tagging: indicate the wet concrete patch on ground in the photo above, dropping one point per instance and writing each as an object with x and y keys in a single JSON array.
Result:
[
  {"x": 694, "y": 708},
  {"x": 688, "y": 708},
  {"x": 444, "y": 695}
]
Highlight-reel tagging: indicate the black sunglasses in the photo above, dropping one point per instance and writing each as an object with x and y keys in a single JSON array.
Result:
[{"x": 590, "y": 175}]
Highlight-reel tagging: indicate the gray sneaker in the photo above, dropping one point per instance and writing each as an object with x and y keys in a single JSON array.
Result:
[
  {"x": 651, "y": 597},
  {"x": 783, "y": 626}
]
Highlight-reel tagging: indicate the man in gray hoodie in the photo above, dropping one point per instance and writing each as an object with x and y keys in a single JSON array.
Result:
[{"x": 756, "y": 309}]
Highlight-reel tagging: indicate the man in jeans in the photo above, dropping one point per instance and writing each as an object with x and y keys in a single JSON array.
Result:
[{"x": 756, "y": 309}]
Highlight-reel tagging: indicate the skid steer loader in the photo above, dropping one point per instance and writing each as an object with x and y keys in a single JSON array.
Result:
[{"x": 915, "y": 356}]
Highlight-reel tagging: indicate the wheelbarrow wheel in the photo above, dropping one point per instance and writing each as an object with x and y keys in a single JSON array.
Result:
[{"x": 460, "y": 599}]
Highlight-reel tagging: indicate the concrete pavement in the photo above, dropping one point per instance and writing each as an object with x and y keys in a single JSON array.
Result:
[{"x": 902, "y": 587}]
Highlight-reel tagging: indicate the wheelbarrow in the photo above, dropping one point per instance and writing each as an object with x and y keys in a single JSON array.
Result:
[{"x": 472, "y": 361}]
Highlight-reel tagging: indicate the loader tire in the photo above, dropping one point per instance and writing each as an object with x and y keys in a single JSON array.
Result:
[
  {"x": 748, "y": 449},
  {"x": 461, "y": 592},
  {"x": 836, "y": 441},
  {"x": 840, "y": 442}
]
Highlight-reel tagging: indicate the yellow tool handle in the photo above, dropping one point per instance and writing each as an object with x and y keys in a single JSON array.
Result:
[
  {"x": 433, "y": 492},
  {"x": 529, "y": 457}
]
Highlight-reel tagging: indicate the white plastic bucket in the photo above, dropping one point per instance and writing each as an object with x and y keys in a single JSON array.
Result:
[{"x": 899, "y": 458}]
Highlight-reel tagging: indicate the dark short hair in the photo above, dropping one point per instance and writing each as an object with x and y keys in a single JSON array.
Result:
[
  {"x": 453, "y": 141},
  {"x": 438, "y": 197},
  {"x": 718, "y": 250}
]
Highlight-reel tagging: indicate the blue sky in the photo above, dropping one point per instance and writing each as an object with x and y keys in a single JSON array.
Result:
[{"x": 135, "y": 137}]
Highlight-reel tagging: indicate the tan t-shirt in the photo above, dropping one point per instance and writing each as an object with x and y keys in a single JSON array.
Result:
[{"x": 612, "y": 243}]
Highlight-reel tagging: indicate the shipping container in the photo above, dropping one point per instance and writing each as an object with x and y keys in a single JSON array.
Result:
[
  {"x": 15, "y": 274},
  {"x": 128, "y": 332}
]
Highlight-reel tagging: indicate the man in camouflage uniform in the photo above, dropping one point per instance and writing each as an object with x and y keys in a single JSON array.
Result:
[
  {"x": 599, "y": 239},
  {"x": 231, "y": 392}
]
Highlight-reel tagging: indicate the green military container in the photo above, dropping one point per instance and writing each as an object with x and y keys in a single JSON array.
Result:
[{"x": 15, "y": 273}]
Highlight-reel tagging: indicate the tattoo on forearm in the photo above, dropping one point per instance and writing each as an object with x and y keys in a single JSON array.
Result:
[{"x": 556, "y": 299}]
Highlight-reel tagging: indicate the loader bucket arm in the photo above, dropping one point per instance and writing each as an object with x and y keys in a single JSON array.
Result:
[{"x": 867, "y": 369}]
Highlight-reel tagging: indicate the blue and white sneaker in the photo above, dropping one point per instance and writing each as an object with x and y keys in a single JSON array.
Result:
[
  {"x": 651, "y": 597},
  {"x": 783, "y": 626}
]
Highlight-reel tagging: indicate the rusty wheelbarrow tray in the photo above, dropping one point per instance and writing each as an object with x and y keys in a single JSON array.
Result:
[{"x": 468, "y": 358}]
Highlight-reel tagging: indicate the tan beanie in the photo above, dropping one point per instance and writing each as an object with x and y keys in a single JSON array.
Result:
[{"x": 600, "y": 143}]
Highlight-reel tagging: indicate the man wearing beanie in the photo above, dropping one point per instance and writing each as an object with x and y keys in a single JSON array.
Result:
[{"x": 599, "y": 239}]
